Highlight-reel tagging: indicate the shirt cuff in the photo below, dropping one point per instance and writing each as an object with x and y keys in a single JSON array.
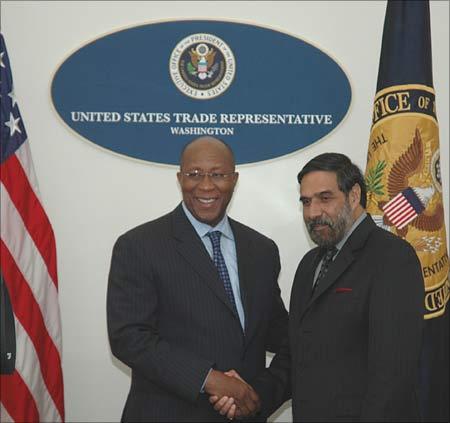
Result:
[{"x": 202, "y": 389}]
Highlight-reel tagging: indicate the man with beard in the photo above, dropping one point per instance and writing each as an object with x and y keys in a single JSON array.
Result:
[{"x": 356, "y": 310}]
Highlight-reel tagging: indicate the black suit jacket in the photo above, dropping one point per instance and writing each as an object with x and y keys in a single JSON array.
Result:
[
  {"x": 170, "y": 320},
  {"x": 354, "y": 345}
]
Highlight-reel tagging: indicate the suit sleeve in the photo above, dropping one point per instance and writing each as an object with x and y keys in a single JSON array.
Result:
[
  {"x": 132, "y": 304},
  {"x": 278, "y": 324},
  {"x": 274, "y": 384},
  {"x": 395, "y": 334}
]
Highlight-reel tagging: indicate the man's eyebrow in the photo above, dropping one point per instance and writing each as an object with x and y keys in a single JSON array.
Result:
[
  {"x": 324, "y": 192},
  {"x": 316, "y": 194}
]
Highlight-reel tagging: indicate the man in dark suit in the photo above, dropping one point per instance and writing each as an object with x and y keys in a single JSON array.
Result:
[
  {"x": 356, "y": 310},
  {"x": 194, "y": 294}
]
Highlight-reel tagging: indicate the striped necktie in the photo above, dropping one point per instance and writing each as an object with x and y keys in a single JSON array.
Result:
[
  {"x": 219, "y": 262},
  {"x": 327, "y": 259}
]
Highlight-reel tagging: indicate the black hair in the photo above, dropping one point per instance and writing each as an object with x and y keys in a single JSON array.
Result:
[{"x": 347, "y": 173}]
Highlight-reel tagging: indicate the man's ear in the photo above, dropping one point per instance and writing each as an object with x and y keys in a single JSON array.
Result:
[{"x": 355, "y": 196}]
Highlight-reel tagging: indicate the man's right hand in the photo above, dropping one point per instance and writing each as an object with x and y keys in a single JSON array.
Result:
[{"x": 220, "y": 385}]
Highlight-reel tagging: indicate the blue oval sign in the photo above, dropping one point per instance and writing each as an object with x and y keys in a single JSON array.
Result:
[{"x": 145, "y": 91}]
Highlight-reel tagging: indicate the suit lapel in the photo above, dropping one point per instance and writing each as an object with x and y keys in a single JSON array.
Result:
[
  {"x": 191, "y": 247},
  {"x": 247, "y": 281},
  {"x": 305, "y": 282},
  {"x": 343, "y": 260}
]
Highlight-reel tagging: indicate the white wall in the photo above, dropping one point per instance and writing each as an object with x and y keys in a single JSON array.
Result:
[{"x": 92, "y": 196}]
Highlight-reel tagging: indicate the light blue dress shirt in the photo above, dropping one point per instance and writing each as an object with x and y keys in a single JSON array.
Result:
[{"x": 228, "y": 247}]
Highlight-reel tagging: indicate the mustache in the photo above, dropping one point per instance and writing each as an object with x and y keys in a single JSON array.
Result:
[{"x": 312, "y": 223}]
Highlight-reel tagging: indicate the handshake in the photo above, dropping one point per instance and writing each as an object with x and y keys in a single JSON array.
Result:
[{"x": 231, "y": 395}]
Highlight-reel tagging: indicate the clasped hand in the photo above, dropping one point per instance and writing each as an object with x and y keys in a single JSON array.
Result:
[{"x": 231, "y": 395}]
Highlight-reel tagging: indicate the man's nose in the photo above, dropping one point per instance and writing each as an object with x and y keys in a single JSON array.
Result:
[
  {"x": 315, "y": 209},
  {"x": 206, "y": 183}
]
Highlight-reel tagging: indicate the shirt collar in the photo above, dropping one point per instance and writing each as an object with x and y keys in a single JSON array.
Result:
[
  {"x": 203, "y": 228},
  {"x": 356, "y": 223}
]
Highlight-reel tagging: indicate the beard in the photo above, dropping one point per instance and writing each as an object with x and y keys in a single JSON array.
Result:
[{"x": 338, "y": 228}]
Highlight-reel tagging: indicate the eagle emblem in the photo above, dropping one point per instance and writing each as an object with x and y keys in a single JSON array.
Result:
[
  {"x": 408, "y": 205},
  {"x": 202, "y": 62},
  {"x": 202, "y": 66}
]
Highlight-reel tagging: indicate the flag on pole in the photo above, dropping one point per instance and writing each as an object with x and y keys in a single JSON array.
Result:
[
  {"x": 34, "y": 390},
  {"x": 403, "y": 177}
]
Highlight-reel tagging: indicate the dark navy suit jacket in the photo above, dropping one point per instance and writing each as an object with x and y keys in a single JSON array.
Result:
[
  {"x": 354, "y": 345},
  {"x": 170, "y": 320}
]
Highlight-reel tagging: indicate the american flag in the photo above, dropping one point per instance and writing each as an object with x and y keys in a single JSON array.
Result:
[
  {"x": 34, "y": 391},
  {"x": 403, "y": 208}
]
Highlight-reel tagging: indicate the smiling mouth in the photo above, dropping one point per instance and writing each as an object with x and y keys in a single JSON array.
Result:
[{"x": 206, "y": 200}]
